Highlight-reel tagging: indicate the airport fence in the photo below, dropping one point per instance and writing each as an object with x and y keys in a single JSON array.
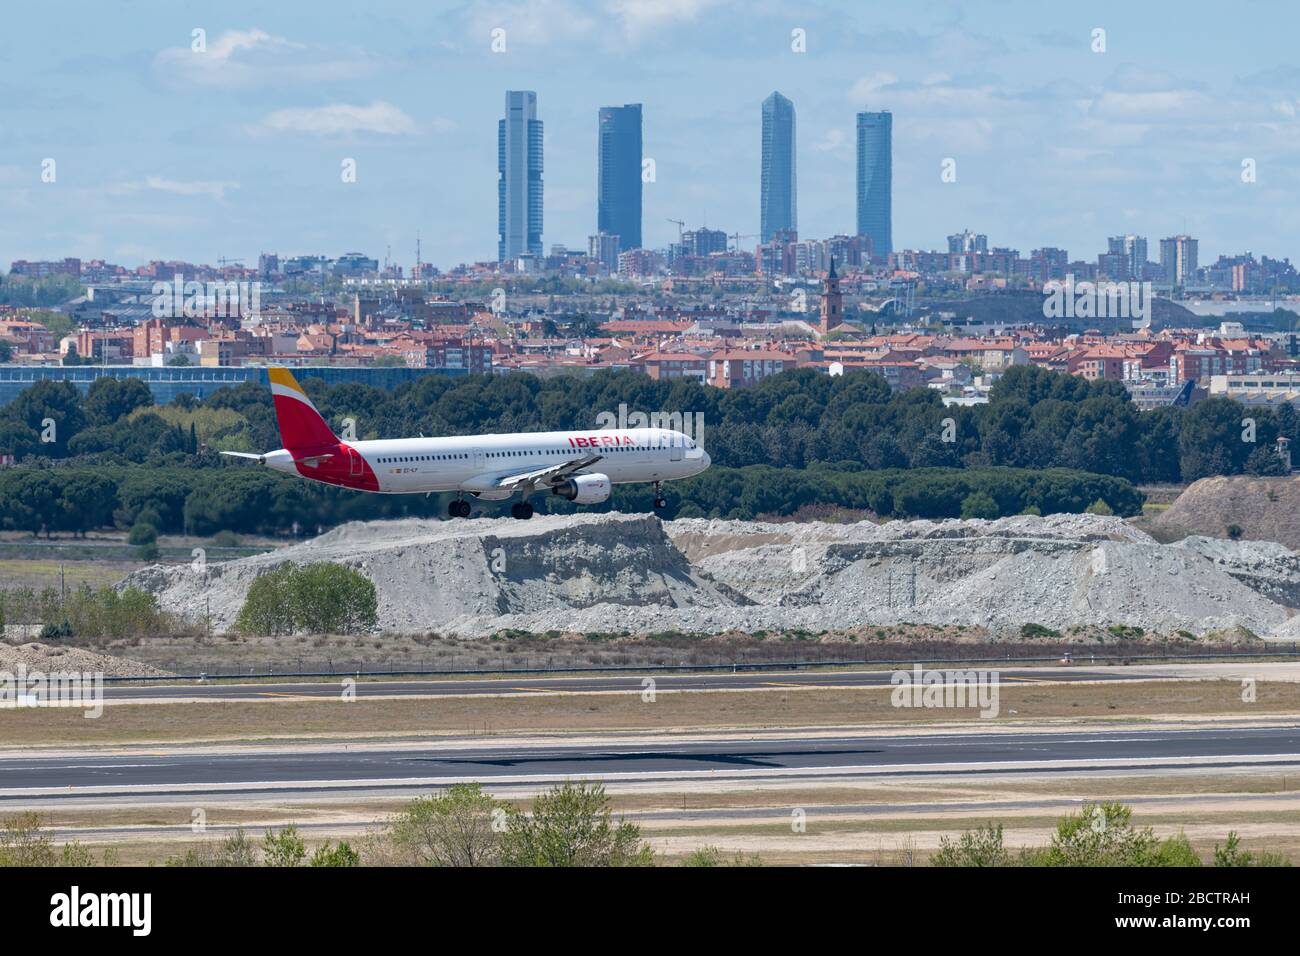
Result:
[{"x": 407, "y": 669}]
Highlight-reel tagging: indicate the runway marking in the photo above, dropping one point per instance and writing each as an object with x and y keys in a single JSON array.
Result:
[{"x": 1040, "y": 680}]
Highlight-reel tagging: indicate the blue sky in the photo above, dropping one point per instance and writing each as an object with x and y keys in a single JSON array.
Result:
[{"x": 163, "y": 152}]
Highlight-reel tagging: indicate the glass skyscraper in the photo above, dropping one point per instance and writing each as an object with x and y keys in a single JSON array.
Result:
[
  {"x": 618, "y": 205},
  {"x": 875, "y": 176},
  {"x": 779, "y": 210},
  {"x": 519, "y": 188}
]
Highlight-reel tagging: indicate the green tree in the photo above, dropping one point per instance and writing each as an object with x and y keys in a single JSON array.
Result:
[
  {"x": 459, "y": 827},
  {"x": 979, "y": 847},
  {"x": 110, "y": 399},
  {"x": 572, "y": 825},
  {"x": 266, "y": 610},
  {"x": 283, "y": 848},
  {"x": 1101, "y": 834},
  {"x": 327, "y": 598},
  {"x": 142, "y": 533},
  {"x": 341, "y": 855},
  {"x": 979, "y": 505},
  {"x": 53, "y": 414}
]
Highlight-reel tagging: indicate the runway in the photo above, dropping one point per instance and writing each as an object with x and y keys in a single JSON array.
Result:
[
  {"x": 380, "y": 766},
  {"x": 625, "y": 683}
]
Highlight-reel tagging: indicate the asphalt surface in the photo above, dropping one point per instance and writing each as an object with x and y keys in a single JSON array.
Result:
[
  {"x": 381, "y": 766},
  {"x": 220, "y": 690}
]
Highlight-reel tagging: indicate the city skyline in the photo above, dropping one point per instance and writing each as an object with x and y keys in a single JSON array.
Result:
[{"x": 1053, "y": 143}]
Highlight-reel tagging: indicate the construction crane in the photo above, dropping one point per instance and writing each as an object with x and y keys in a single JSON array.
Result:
[
  {"x": 680, "y": 226},
  {"x": 735, "y": 237},
  {"x": 223, "y": 262}
]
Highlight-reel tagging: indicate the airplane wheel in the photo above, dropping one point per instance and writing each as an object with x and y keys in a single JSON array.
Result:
[
  {"x": 661, "y": 504},
  {"x": 521, "y": 510},
  {"x": 458, "y": 509}
]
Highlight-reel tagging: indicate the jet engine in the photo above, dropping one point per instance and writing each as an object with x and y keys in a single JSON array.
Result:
[{"x": 584, "y": 489}]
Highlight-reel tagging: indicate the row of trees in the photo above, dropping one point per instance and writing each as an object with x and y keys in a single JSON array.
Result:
[
  {"x": 1100, "y": 834},
  {"x": 1036, "y": 419},
  {"x": 238, "y": 497},
  {"x": 572, "y": 824},
  {"x": 48, "y": 290},
  {"x": 89, "y": 613}
]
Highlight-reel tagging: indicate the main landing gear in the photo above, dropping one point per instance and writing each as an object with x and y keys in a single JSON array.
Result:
[
  {"x": 660, "y": 501},
  {"x": 521, "y": 510},
  {"x": 458, "y": 508}
]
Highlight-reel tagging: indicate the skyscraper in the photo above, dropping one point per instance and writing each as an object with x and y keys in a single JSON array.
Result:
[
  {"x": 618, "y": 206},
  {"x": 779, "y": 208},
  {"x": 519, "y": 189},
  {"x": 1178, "y": 256},
  {"x": 875, "y": 177},
  {"x": 1133, "y": 248}
]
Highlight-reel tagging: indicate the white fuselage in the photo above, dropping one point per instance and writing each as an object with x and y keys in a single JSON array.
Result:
[{"x": 476, "y": 463}]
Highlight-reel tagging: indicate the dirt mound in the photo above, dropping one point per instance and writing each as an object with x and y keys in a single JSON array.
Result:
[
  {"x": 1259, "y": 509},
  {"x": 616, "y": 573},
  {"x": 51, "y": 659}
]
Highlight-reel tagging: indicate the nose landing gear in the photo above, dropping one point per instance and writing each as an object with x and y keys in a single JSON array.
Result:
[{"x": 660, "y": 501}]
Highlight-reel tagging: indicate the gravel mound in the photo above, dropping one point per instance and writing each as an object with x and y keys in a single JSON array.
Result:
[
  {"x": 50, "y": 659},
  {"x": 1262, "y": 509},
  {"x": 614, "y": 573}
]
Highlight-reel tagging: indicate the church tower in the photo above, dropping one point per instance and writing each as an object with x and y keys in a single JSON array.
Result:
[{"x": 832, "y": 312}]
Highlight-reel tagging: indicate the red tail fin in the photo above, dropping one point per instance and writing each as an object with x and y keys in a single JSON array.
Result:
[{"x": 301, "y": 426}]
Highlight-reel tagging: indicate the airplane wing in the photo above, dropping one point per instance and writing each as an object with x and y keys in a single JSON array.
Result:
[
  {"x": 552, "y": 475},
  {"x": 311, "y": 461}
]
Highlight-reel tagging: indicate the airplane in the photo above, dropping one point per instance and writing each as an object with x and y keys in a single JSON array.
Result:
[{"x": 581, "y": 466}]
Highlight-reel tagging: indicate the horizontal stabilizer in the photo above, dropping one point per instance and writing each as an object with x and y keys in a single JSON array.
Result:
[{"x": 243, "y": 454}]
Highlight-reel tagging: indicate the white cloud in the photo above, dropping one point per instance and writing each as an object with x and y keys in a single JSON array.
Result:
[
  {"x": 834, "y": 141},
  {"x": 869, "y": 86},
  {"x": 534, "y": 23},
  {"x": 241, "y": 59},
  {"x": 341, "y": 118},
  {"x": 1146, "y": 104},
  {"x": 215, "y": 189},
  {"x": 641, "y": 17}
]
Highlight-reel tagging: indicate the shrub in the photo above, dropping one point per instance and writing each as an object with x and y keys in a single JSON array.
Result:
[
  {"x": 341, "y": 855},
  {"x": 317, "y": 598},
  {"x": 979, "y": 847},
  {"x": 284, "y": 848},
  {"x": 979, "y": 505},
  {"x": 1099, "y": 507},
  {"x": 1101, "y": 834},
  {"x": 571, "y": 825},
  {"x": 1031, "y": 631},
  {"x": 142, "y": 533},
  {"x": 459, "y": 827}
]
